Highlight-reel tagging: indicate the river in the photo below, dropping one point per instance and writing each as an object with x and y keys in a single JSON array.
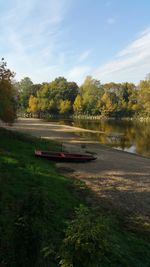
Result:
[{"x": 130, "y": 136}]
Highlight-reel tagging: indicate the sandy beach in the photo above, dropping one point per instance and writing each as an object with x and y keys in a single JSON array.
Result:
[{"x": 118, "y": 179}]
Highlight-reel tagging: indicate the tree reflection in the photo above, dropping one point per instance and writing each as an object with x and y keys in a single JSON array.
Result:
[{"x": 125, "y": 135}]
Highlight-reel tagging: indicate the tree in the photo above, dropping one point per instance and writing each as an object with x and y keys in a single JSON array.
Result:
[
  {"x": 144, "y": 96},
  {"x": 33, "y": 104},
  {"x": 77, "y": 106},
  {"x": 7, "y": 94},
  {"x": 71, "y": 91},
  {"x": 59, "y": 83},
  {"x": 119, "y": 99},
  {"x": 91, "y": 90},
  {"x": 109, "y": 103},
  {"x": 63, "y": 89},
  {"x": 65, "y": 107},
  {"x": 57, "y": 97},
  {"x": 45, "y": 102},
  {"x": 25, "y": 91}
]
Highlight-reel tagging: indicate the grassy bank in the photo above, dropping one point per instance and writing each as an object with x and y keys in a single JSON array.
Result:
[{"x": 35, "y": 203}]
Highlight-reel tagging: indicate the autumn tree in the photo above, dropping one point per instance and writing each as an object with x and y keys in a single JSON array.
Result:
[
  {"x": 65, "y": 107},
  {"x": 33, "y": 104},
  {"x": 7, "y": 94},
  {"x": 108, "y": 103},
  {"x": 144, "y": 97},
  {"x": 77, "y": 106}
]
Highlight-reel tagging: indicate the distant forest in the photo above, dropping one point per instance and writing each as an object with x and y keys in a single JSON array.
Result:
[
  {"x": 64, "y": 98},
  {"x": 92, "y": 98}
]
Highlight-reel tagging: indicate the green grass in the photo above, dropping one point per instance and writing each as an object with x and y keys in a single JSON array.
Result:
[{"x": 35, "y": 203}]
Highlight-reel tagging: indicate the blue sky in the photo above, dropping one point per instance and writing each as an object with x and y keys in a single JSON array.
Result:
[{"x": 109, "y": 40}]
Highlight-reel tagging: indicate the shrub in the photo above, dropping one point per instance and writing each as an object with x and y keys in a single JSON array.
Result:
[{"x": 86, "y": 241}]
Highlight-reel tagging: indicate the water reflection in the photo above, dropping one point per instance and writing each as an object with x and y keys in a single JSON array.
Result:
[{"x": 125, "y": 135}]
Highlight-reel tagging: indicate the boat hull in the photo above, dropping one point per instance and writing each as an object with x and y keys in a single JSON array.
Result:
[{"x": 63, "y": 156}]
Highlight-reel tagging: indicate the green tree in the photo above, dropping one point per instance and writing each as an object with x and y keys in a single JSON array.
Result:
[
  {"x": 57, "y": 96},
  {"x": 64, "y": 90},
  {"x": 119, "y": 99},
  {"x": 91, "y": 90},
  {"x": 59, "y": 83},
  {"x": 7, "y": 94},
  {"x": 25, "y": 91},
  {"x": 47, "y": 99}
]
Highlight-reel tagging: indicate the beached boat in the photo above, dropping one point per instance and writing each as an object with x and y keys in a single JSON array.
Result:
[{"x": 64, "y": 156}]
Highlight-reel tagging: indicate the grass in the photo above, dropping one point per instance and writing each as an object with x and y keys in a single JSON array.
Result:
[{"x": 35, "y": 203}]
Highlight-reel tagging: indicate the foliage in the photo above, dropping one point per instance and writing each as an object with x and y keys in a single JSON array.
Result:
[
  {"x": 56, "y": 97},
  {"x": 92, "y": 98},
  {"x": 7, "y": 94},
  {"x": 25, "y": 91},
  {"x": 96, "y": 240},
  {"x": 85, "y": 243},
  {"x": 65, "y": 107},
  {"x": 33, "y": 104},
  {"x": 119, "y": 99},
  {"x": 91, "y": 91},
  {"x": 144, "y": 97},
  {"x": 77, "y": 106}
]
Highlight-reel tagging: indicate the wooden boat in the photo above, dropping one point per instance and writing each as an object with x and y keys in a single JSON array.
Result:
[{"x": 63, "y": 156}]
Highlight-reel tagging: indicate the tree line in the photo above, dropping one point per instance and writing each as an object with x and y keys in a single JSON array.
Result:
[{"x": 65, "y": 98}]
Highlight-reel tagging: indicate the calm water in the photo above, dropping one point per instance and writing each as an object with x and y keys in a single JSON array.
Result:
[{"x": 129, "y": 136}]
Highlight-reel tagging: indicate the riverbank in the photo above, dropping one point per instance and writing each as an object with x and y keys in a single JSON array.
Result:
[
  {"x": 120, "y": 180},
  {"x": 36, "y": 201}
]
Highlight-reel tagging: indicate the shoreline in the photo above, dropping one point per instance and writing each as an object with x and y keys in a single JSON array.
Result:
[{"x": 120, "y": 177}]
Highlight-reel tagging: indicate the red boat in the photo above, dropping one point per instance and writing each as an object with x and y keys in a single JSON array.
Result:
[{"x": 63, "y": 156}]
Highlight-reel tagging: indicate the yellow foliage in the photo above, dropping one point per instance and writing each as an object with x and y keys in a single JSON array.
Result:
[
  {"x": 144, "y": 96},
  {"x": 65, "y": 106},
  {"x": 77, "y": 104},
  {"x": 33, "y": 104}
]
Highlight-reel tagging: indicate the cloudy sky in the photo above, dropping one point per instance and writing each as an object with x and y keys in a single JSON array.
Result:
[{"x": 109, "y": 40}]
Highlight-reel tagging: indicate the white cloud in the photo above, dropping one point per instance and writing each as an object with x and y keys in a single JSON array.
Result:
[
  {"x": 78, "y": 73},
  {"x": 31, "y": 35},
  {"x": 84, "y": 56},
  {"x": 130, "y": 64}
]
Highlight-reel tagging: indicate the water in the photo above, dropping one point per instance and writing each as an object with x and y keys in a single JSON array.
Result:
[{"x": 133, "y": 137}]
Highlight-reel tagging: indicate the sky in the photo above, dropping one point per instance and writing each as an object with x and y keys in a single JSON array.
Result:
[{"x": 106, "y": 39}]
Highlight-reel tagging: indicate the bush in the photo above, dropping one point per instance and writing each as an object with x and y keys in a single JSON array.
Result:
[{"x": 86, "y": 241}]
